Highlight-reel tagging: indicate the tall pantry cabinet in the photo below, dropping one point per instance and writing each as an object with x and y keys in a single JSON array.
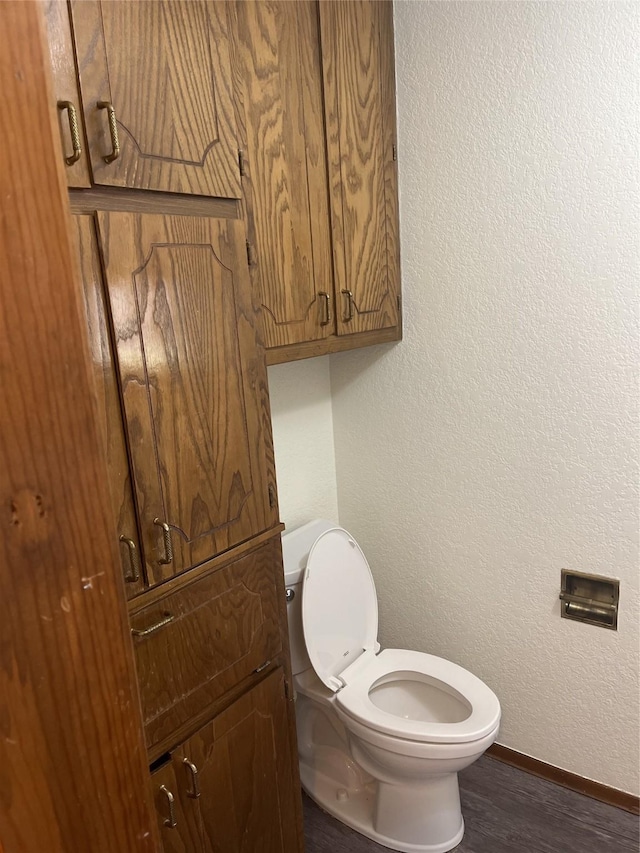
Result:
[{"x": 232, "y": 175}]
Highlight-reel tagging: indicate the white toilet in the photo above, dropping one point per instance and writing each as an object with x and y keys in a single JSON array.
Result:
[{"x": 381, "y": 734}]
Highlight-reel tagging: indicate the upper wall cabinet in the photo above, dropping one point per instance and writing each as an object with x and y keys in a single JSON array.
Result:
[
  {"x": 315, "y": 98},
  {"x": 156, "y": 88},
  {"x": 276, "y": 51},
  {"x": 359, "y": 93},
  {"x": 65, "y": 91},
  {"x": 193, "y": 385}
]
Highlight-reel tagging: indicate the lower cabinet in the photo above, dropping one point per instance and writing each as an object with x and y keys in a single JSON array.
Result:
[{"x": 230, "y": 787}]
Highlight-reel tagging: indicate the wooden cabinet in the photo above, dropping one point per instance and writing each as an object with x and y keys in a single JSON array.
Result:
[
  {"x": 280, "y": 122},
  {"x": 66, "y": 93},
  {"x": 315, "y": 98},
  {"x": 169, "y": 91},
  {"x": 359, "y": 93},
  {"x": 177, "y": 809},
  {"x": 232, "y": 782},
  {"x": 156, "y": 89},
  {"x": 211, "y": 634},
  {"x": 193, "y": 385},
  {"x": 288, "y": 108},
  {"x": 108, "y": 402}
]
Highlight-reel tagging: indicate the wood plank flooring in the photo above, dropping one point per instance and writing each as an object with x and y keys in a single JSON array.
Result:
[{"x": 506, "y": 811}]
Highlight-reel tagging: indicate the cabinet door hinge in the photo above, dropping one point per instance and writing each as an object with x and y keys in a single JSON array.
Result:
[
  {"x": 399, "y": 304},
  {"x": 394, "y": 151},
  {"x": 241, "y": 163},
  {"x": 251, "y": 255},
  {"x": 287, "y": 690},
  {"x": 272, "y": 495}
]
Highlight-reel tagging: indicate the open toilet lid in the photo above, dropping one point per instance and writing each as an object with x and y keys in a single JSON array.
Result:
[{"x": 339, "y": 605}]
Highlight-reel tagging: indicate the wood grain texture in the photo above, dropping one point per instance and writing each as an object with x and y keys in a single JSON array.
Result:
[
  {"x": 65, "y": 87},
  {"x": 357, "y": 43},
  {"x": 149, "y": 201},
  {"x": 248, "y": 798},
  {"x": 389, "y": 144},
  {"x": 335, "y": 343},
  {"x": 154, "y": 594},
  {"x": 225, "y": 626},
  {"x": 108, "y": 402},
  {"x": 187, "y": 836},
  {"x": 277, "y": 73},
  {"x": 73, "y": 774},
  {"x": 506, "y": 811},
  {"x": 193, "y": 382},
  {"x": 165, "y": 67}
]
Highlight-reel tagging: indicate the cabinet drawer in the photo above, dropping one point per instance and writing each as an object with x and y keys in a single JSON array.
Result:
[{"x": 212, "y": 633}]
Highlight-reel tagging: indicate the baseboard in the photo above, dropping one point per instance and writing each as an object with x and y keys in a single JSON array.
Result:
[{"x": 612, "y": 796}]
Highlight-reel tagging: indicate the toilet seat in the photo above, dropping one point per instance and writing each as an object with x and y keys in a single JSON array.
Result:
[
  {"x": 340, "y": 624},
  {"x": 339, "y": 606},
  {"x": 402, "y": 664}
]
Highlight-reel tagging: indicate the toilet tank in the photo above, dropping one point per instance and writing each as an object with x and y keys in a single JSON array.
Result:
[{"x": 296, "y": 545}]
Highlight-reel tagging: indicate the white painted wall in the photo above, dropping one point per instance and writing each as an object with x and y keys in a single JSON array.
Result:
[
  {"x": 497, "y": 444},
  {"x": 302, "y": 419}
]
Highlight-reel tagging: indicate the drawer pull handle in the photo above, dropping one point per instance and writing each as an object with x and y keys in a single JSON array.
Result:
[
  {"x": 171, "y": 820},
  {"x": 73, "y": 130},
  {"x": 194, "y": 793},
  {"x": 113, "y": 131},
  {"x": 134, "y": 560},
  {"x": 326, "y": 319},
  {"x": 166, "y": 540},
  {"x": 349, "y": 315},
  {"x": 144, "y": 632},
  {"x": 262, "y": 666}
]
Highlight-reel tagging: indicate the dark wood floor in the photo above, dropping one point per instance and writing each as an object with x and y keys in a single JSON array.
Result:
[{"x": 505, "y": 811}]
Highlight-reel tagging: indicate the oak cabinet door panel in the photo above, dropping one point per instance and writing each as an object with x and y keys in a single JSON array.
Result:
[
  {"x": 278, "y": 85},
  {"x": 193, "y": 383},
  {"x": 164, "y": 67},
  {"x": 66, "y": 92},
  {"x": 359, "y": 90},
  {"x": 244, "y": 760},
  {"x": 178, "y": 814},
  {"x": 109, "y": 410}
]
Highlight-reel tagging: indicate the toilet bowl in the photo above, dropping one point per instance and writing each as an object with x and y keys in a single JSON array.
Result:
[{"x": 382, "y": 734}]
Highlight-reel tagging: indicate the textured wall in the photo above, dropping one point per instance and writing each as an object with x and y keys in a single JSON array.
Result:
[
  {"x": 497, "y": 443},
  {"x": 303, "y": 437}
]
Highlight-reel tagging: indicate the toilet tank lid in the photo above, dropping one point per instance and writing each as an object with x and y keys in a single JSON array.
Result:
[{"x": 296, "y": 545}]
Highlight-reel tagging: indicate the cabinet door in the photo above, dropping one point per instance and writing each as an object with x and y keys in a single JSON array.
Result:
[
  {"x": 359, "y": 89},
  {"x": 244, "y": 763},
  {"x": 109, "y": 410},
  {"x": 164, "y": 69},
  {"x": 65, "y": 91},
  {"x": 279, "y": 99},
  {"x": 193, "y": 382},
  {"x": 177, "y": 810}
]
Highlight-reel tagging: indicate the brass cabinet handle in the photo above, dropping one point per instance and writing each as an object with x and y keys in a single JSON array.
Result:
[
  {"x": 194, "y": 793},
  {"x": 144, "y": 632},
  {"x": 73, "y": 130},
  {"x": 113, "y": 131},
  {"x": 349, "y": 315},
  {"x": 166, "y": 539},
  {"x": 327, "y": 308},
  {"x": 171, "y": 820},
  {"x": 134, "y": 560}
]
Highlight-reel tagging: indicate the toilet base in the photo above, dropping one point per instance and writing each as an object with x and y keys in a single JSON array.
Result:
[{"x": 357, "y": 808}]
